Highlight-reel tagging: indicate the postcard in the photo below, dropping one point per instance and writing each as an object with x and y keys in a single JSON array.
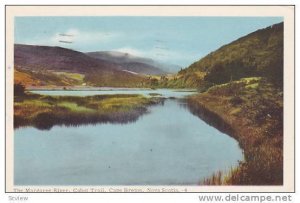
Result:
[{"x": 150, "y": 99}]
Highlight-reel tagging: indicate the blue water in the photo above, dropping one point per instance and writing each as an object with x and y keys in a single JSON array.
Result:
[
  {"x": 167, "y": 146},
  {"x": 146, "y": 92}
]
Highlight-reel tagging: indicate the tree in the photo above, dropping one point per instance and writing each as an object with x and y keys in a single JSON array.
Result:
[
  {"x": 19, "y": 89},
  {"x": 153, "y": 82}
]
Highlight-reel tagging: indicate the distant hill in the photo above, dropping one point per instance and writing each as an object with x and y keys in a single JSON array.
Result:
[
  {"x": 57, "y": 66},
  {"x": 118, "y": 57},
  {"x": 257, "y": 54},
  {"x": 57, "y": 58},
  {"x": 134, "y": 63}
]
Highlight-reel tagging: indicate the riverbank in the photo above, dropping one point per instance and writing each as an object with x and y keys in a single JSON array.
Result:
[
  {"x": 44, "y": 111},
  {"x": 80, "y": 88},
  {"x": 250, "y": 110}
]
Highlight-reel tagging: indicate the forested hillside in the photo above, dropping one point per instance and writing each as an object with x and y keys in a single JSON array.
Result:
[{"x": 257, "y": 54}]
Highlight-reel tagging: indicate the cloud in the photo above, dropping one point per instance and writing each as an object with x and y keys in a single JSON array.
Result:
[
  {"x": 169, "y": 56},
  {"x": 131, "y": 51}
]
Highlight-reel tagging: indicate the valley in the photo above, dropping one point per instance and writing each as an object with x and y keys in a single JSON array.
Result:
[{"x": 236, "y": 90}]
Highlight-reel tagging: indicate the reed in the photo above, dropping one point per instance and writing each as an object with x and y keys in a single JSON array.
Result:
[
  {"x": 251, "y": 111},
  {"x": 44, "y": 112}
]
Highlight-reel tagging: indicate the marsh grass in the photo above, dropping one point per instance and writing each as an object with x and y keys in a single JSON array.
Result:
[
  {"x": 222, "y": 178},
  {"x": 215, "y": 179},
  {"x": 254, "y": 116},
  {"x": 45, "y": 111}
]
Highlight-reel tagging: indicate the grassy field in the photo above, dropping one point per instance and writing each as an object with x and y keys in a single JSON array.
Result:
[
  {"x": 250, "y": 110},
  {"x": 47, "y": 78},
  {"x": 45, "y": 111}
]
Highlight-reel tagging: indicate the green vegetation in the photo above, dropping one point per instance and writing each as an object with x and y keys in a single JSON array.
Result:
[
  {"x": 242, "y": 95},
  {"x": 111, "y": 79},
  {"x": 74, "y": 107},
  {"x": 46, "y": 78},
  {"x": 257, "y": 54},
  {"x": 70, "y": 78},
  {"x": 250, "y": 110},
  {"x": 45, "y": 111},
  {"x": 155, "y": 94}
]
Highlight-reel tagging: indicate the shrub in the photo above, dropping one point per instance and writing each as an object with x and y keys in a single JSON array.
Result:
[
  {"x": 45, "y": 120},
  {"x": 236, "y": 100},
  {"x": 19, "y": 89}
]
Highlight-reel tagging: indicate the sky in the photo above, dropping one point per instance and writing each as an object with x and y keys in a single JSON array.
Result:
[{"x": 175, "y": 40}]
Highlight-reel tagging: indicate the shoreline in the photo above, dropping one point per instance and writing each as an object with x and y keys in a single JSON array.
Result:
[
  {"x": 44, "y": 111},
  {"x": 91, "y": 88},
  {"x": 212, "y": 107},
  {"x": 80, "y": 88},
  {"x": 261, "y": 143}
]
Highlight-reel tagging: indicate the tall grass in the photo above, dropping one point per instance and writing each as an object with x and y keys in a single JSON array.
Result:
[
  {"x": 45, "y": 111},
  {"x": 252, "y": 115}
]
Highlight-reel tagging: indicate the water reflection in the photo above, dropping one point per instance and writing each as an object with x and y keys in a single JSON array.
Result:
[
  {"x": 209, "y": 117},
  {"x": 46, "y": 120},
  {"x": 166, "y": 146}
]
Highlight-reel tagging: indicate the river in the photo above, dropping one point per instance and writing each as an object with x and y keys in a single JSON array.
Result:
[{"x": 167, "y": 146}]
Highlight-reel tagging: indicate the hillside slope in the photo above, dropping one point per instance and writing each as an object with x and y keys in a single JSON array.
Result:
[
  {"x": 258, "y": 54},
  {"x": 242, "y": 95},
  {"x": 129, "y": 62},
  {"x": 54, "y": 65},
  {"x": 56, "y": 58},
  {"x": 251, "y": 111}
]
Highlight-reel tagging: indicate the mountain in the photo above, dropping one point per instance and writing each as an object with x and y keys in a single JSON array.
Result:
[
  {"x": 57, "y": 59},
  {"x": 134, "y": 63},
  {"x": 60, "y": 66},
  {"x": 257, "y": 54}
]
